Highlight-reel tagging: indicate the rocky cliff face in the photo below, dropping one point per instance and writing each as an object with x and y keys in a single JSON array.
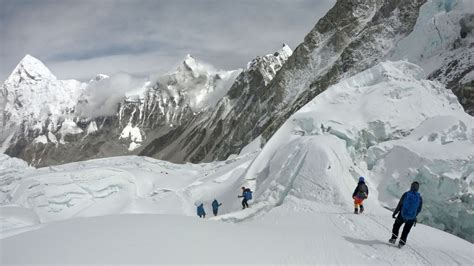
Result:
[
  {"x": 222, "y": 132},
  {"x": 353, "y": 36},
  {"x": 442, "y": 43}
]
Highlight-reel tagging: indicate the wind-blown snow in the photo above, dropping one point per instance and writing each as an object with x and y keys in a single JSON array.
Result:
[
  {"x": 103, "y": 96},
  {"x": 200, "y": 84}
]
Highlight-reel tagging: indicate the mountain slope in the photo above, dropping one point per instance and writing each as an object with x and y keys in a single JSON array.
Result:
[
  {"x": 302, "y": 181},
  {"x": 402, "y": 128},
  {"x": 88, "y": 123},
  {"x": 351, "y": 37},
  {"x": 317, "y": 239},
  {"x": 368, "y": 32},
  {"x": 442, "y": 43},
  {"x": 34, "y": 99},
  {"x": 215, "y": 134},
  {"x": 199, "y": 114}
]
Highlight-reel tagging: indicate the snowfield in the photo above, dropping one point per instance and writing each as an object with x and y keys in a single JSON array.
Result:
[{"x": 385, "y": 123}]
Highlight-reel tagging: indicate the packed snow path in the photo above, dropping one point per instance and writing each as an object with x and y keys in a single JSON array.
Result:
[{"x": 283, "y": 236}]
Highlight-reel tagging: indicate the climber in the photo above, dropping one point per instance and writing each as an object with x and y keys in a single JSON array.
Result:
[
  {"x": 361, "y": 192},
  {"x": 246, "y": 195},
  {"x": 215, "y": 207},
  {"x": 408, "y": 208},
  {"x": 200, "y": 211}
]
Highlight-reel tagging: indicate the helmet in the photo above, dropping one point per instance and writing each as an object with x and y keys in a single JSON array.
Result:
[{"x": 361, "y": 179}]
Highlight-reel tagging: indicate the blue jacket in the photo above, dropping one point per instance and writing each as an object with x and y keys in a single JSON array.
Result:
[
  {"x": 215, "y": 205},
  {"x": 200, "y": 210}
]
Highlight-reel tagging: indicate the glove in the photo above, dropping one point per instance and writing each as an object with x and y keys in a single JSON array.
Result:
[{"x": 394, "y": 216}]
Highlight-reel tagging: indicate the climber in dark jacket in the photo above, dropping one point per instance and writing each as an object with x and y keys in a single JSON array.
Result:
[
  {"x": 408, "y": 208},
  {"x": 215, "y": 207},
  {"x": 200, "y": 211},
  {"x": 361, "y": 192}
]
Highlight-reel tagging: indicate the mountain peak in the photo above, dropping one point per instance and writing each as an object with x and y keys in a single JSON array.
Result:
[
  {"x": 285, "y": 49},
  {"x": 99, "y": 77},
  {"x": 29, "y": 68},
  {"x": 189, "y": 62}
]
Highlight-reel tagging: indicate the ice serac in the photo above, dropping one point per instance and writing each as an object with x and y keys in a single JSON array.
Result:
[
  {"x": 401, "y": 128},
  {"x": 217, "y": 134},
  {"x": 352, "y": 36}
]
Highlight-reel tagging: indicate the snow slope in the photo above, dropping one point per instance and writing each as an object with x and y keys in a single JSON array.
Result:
[
  {"x": 296, "y": 232},
  {"x": 400, "y": 128},
  {"x": 386, "y": 124},
  {"x": 433, "y": 39},
  {"x": 282, "y": 237}
]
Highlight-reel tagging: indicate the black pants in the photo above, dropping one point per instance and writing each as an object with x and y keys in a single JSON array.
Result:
[
  {"x": 406, "y": 229},
  {"x": 244, "y": 204},
  {"x": 214, "y": 211}
]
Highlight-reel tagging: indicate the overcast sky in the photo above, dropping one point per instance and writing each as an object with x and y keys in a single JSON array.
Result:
[{"x": 77, "y": 39}]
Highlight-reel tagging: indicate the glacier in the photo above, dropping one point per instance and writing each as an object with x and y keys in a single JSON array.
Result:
[{"x": 386, "y": 123}]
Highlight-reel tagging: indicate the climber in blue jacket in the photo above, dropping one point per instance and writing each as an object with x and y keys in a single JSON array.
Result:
[
  {"x": 200, "y": 211},
  {"x": 246, "y": 195},
  {"x": 215, "y": 207}
]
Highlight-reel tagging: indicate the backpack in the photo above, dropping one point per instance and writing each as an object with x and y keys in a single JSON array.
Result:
[
  {"x": 362, "y": 191},
  {"x": 200, "y": 210},
  {"x": 248, "y": 194},
  {"x": 410, "y": 205}
]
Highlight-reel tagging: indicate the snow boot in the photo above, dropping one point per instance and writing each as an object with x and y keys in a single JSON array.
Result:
[
  {"x": 356, "y": 211},
  {"x": 361, "y": 209},
  {"x": 401, "y": 244},
  {"x": 392, "y": 240}
]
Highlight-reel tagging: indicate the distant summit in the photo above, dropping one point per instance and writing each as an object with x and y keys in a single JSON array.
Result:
[{"x": 29, "y": 69}]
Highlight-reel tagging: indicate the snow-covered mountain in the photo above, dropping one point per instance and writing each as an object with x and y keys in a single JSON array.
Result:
[
  {"x": 352, "y": 37},
  {"x": 33, "y": 99},
  {"x": 385, "y": 123},
  {"x": 218, "y": 134},
  {"x": 197, "y": 113},
  {"x": 442, "y": 43},
  {"x": 174, "y": 98},
  {"x": 49, "y": 121},
  {"x": 116, "y": 115}
]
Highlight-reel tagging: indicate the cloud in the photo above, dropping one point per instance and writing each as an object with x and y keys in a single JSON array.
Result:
[
  {"x": 101, "y": 98},
  {"x": 76, "y": 39}
]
